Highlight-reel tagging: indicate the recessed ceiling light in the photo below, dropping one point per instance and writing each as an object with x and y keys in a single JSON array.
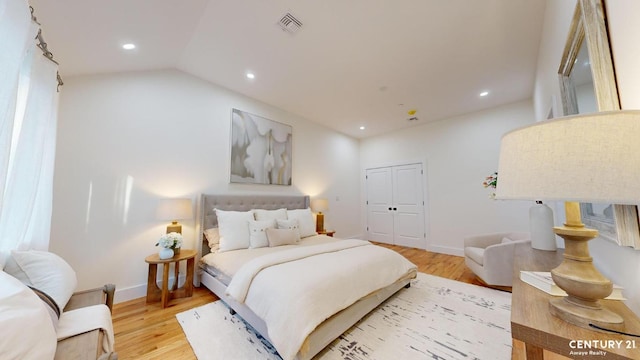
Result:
[
  {"x": 250, "y": 75},
  {"x": 361, "y": 127},
  {"x": 129, "y": 46},
  {"x": 484, "y": 93}
]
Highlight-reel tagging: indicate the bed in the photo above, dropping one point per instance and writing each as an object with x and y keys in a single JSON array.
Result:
[{"x": 288, "y": 293}]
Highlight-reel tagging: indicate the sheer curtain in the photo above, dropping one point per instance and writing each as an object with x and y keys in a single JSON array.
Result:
[{"x": 25, "y": 209}]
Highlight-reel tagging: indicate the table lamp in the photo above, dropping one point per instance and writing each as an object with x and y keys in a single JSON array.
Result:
[
  {"x": 318, "y": 206},
  {"x": 174, "y": 210},
  {"x": 590, "y": 158}
]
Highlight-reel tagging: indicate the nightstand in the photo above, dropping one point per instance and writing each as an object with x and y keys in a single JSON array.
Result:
[
  {"x": 327, "y": 232},
  {"x": 164, "y": 295}
]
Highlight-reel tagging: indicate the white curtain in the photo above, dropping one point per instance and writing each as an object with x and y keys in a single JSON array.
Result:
[
  {"x": 25, "y": 210},
  {"x": 15, "y": 36}
]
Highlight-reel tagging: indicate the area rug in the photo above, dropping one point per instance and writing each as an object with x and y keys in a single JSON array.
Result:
[{"x": 435, "y": 318}]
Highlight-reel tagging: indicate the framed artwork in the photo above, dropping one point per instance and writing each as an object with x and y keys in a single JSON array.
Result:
[{"x": 261, "y": 150}]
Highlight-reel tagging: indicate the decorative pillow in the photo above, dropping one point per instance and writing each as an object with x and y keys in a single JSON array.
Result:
[
  {"x": 262, "y": 214},
  {"x": 234, "y": 229},
  {"x": 29, "y": 332},
  {"x": 291, "y": 224},
  {"x": 44, "y": 271},
  {"x": 305, "y": 221},
  {"x": 213, "y": 238},
  {"x": 258, "y": 232},
  {"x": 278, "y": 237}
]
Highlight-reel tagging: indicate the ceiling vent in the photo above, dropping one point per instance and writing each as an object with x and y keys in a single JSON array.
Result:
[{"x": 289, "y": 23}]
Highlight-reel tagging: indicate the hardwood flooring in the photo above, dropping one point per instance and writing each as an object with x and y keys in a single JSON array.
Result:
[{"x": 146, "y": 331}]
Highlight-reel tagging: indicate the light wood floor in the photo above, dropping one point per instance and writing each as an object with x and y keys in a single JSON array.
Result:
[{"x": 149, "y": 332}]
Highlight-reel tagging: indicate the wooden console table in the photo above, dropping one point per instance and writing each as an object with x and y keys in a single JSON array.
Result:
[{"x": 533, "y": 324}]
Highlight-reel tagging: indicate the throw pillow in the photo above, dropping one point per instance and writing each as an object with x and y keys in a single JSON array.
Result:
[
  {"x": 291, "y": 224},
  {"x": 305, "y": 219},
  {"x": 28, "y": 330},
  {"x": 279, "y": 237},
  {"x": 258, "y": 232},
  {"x": 234, "y": 229},
  {"x": 44, "y": 271},
  {"x": 262, "y": 214},
  {"x": 505, "y": 240},
  {"x": 213, "y": 238}
]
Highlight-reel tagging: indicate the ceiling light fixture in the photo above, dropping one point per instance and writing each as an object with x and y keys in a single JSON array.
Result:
[
  {"x": 361, "y": 127},
  {"x": 251, "y": 75},
  {"x": 129, "y": 46},
  {"x": 484, "y": 93}
]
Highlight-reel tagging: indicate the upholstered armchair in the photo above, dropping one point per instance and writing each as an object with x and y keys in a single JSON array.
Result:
[{"x": 490, "y": 256}]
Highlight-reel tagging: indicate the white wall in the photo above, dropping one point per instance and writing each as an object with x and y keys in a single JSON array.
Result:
[
  {"x": 127, "y": 140},
  {"x": 621, "y": 265},
  {"x": 459, "y": 153}
]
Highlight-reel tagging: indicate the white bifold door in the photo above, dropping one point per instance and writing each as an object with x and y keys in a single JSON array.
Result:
[{"x": 395, "y": 205}]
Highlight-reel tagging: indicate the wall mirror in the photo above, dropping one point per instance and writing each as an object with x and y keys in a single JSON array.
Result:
[{"x": 588, "y": 84}]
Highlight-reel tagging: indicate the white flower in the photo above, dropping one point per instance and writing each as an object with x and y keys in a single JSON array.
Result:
[{"x": 171, "y": 240}]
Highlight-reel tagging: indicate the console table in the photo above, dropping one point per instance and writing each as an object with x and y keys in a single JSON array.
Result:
[{"x": 533, "y": 324}]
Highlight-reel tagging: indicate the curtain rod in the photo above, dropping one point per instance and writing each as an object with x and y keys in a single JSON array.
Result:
[{"x": 43, "y": 46}]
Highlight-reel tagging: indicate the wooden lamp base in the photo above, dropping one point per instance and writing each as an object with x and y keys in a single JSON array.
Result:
[
  {"x": 174, "y": 227},
  {"x": 577, "y": 276},
  {"x": 319, "y": 222}
]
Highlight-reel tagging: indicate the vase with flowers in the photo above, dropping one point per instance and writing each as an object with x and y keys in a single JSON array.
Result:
[
  {"x": 170, "y": 245},
  {"x": 491, "y": 182}
]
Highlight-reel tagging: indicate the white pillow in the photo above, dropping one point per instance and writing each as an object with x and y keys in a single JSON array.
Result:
[
  {"x": 305, "y": 221},
  {"x": 291, "y": 224},
  {"x": 234, "y": 229},
  {"x": 258, "y": 232},
  {"x": 213, "y": 238},
  {"x": 278, "y": 237},
  {"x": 262, "y": 214},
  {"x": 28, "y": 332},
  {"x": 44, "y": 271}
]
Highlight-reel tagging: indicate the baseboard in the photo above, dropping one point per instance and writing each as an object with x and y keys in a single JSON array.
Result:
[
  {"x": 446, "y": 250},
  {"x": 139, "y": 291}
]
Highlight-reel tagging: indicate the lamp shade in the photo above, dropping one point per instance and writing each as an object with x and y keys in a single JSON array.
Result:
[
  {"x": 319, "y": 205},
  {"x": 591, "y": 158},
  {"x": 174, "y": 209}
]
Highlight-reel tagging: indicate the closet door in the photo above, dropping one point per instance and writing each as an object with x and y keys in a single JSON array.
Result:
[
  {"x": 379, "y": 205},
  {"x": 408, "y": 206},
  {"x": 395, "y": 205}
]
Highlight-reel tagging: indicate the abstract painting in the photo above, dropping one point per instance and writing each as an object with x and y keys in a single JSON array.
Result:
[{"x": 261, "y": 150}]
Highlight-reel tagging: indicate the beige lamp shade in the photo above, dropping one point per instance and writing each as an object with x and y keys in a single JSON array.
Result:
[
  {"x": 174, "y": 210},
  {"x": 591, "y": 158},
  {"x": 319, "y": 205}
]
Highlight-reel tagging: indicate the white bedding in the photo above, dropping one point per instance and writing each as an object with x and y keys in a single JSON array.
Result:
[{"x": 294, "y": 294}]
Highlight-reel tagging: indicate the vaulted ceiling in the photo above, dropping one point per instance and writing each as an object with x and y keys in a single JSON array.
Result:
[{"x": 352, "y": 63}]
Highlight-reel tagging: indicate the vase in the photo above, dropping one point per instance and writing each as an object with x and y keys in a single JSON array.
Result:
[
  {"x": 176, "y": 251},
  {"x": 541, "y": 223},
  {"x": 165, "y": 253}
]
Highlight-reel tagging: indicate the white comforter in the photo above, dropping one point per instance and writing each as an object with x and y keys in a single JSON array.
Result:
[{"x": 295, "y": 290}]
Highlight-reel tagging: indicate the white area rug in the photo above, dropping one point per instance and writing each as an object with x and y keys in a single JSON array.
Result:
[{"x": 435, "y": 318}]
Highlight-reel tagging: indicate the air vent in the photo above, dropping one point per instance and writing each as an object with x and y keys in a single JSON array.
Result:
[{"x": 289, "y": 23}]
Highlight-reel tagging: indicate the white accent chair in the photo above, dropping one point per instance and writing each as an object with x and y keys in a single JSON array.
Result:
[{"x": 490, "y": 256}]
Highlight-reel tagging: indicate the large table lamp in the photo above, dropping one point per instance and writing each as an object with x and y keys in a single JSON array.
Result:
[
  {"x": 174, "y": 210},
  {"x": 318, "y": 206},
  {"x": 589, "y": 158}
]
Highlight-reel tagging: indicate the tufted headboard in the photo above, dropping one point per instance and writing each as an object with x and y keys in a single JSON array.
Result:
[{"x": 209, "y": 202}]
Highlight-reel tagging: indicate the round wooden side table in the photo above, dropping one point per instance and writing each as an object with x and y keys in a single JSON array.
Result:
[{"x": 164, "y": 295}]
